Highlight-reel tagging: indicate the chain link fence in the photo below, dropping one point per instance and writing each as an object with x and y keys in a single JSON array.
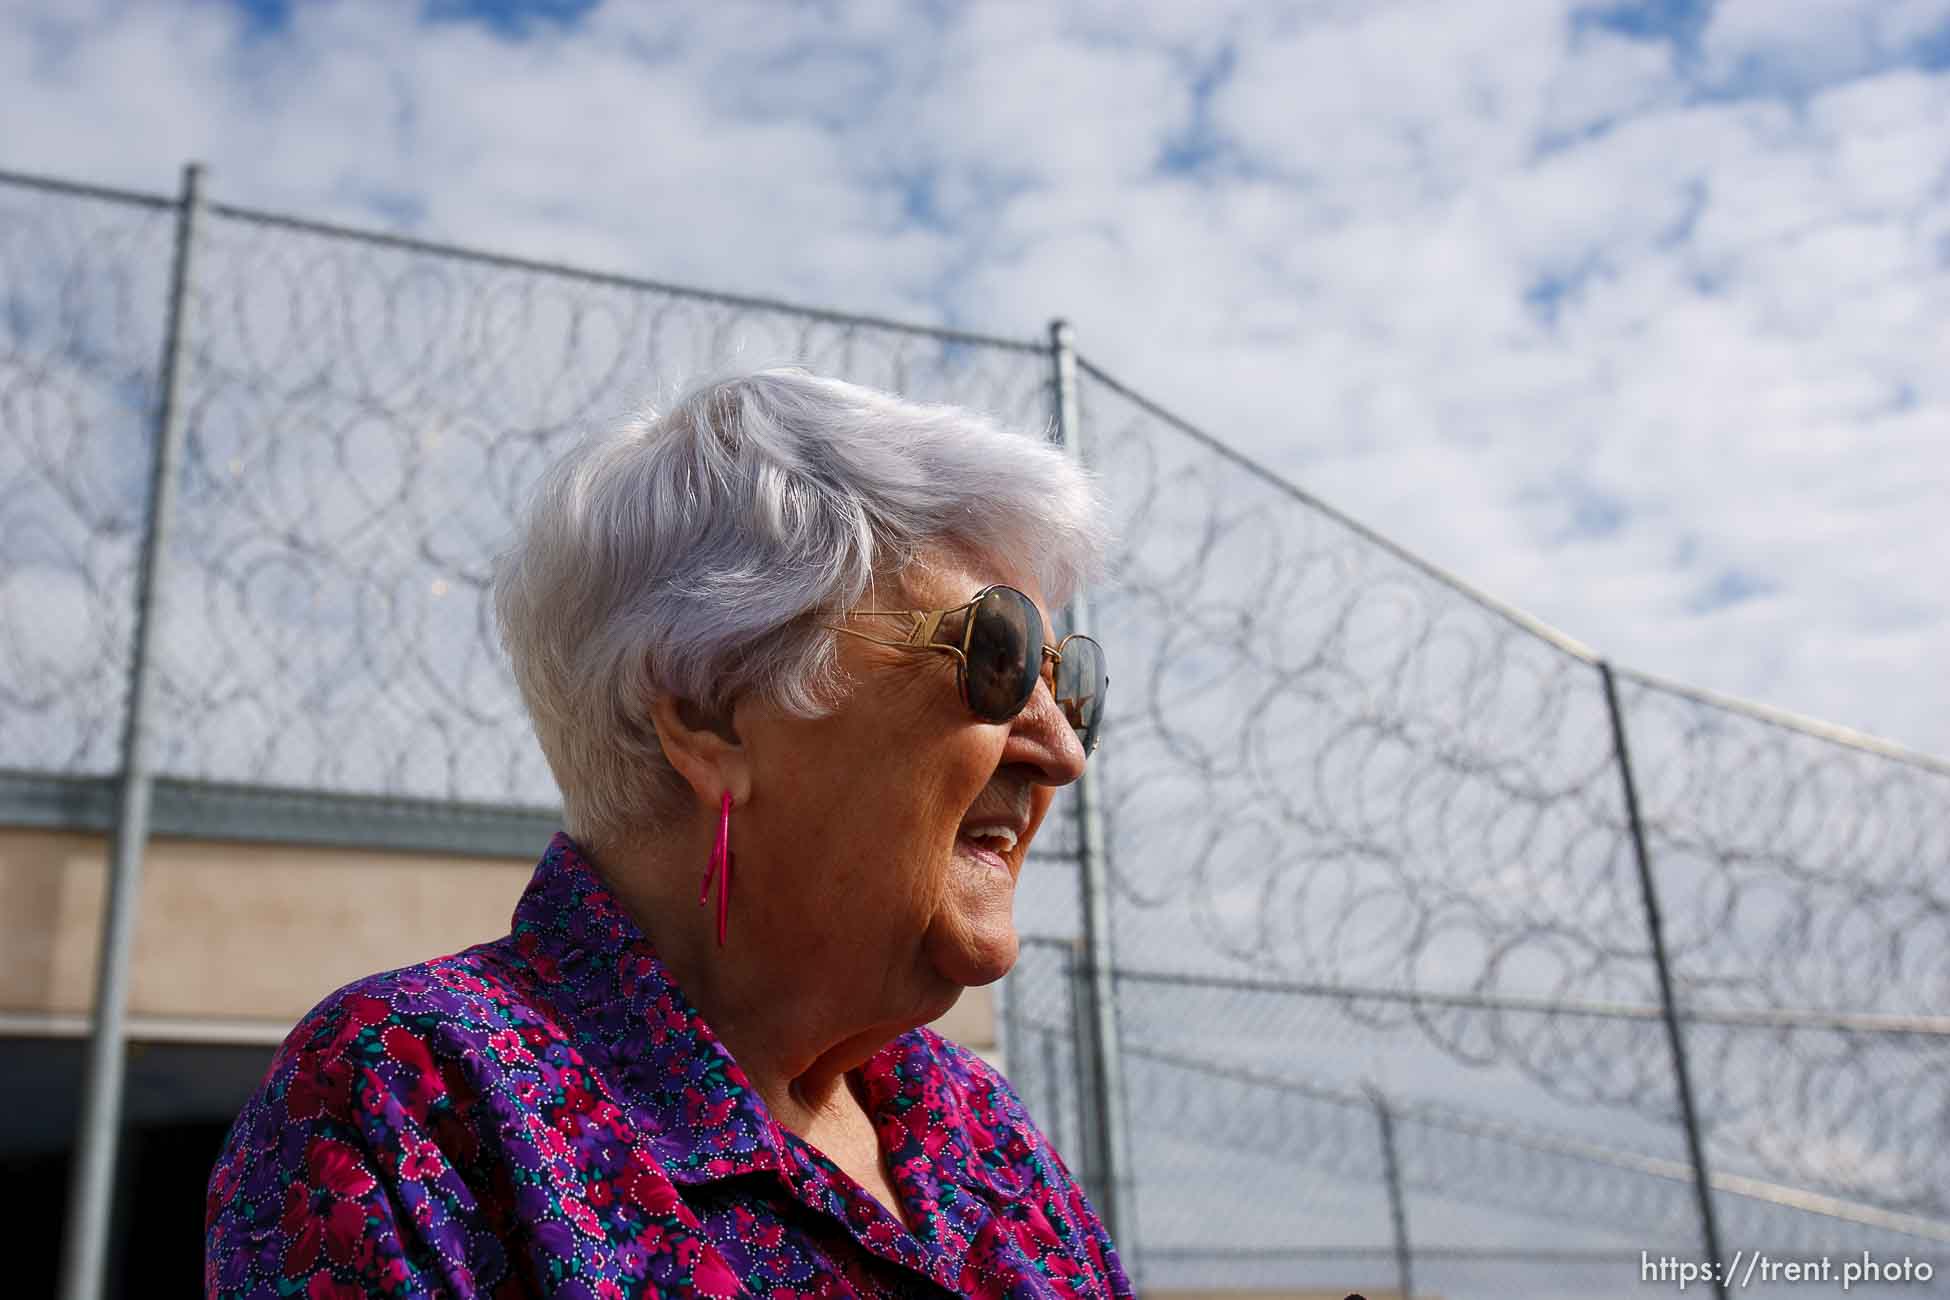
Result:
[{"x": 1412, "y": 987}]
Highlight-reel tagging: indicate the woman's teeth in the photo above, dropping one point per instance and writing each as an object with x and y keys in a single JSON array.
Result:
[{"x": 1001, "y": 839}]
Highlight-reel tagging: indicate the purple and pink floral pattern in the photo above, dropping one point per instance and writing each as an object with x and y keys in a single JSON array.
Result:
[{"x": 547, "y": 1115}]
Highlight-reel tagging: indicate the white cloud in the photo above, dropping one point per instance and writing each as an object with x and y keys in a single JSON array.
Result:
[{"x": 1600, "y": 322}]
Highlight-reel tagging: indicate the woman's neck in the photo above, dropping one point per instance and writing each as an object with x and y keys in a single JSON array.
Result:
[{"x": 794, "y": 1037}]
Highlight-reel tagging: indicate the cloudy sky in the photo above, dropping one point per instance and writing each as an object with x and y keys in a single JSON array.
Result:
[{"x": 1636, "y": 315}]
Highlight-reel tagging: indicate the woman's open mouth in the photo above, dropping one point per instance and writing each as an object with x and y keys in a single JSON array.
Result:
[{"x": 991, "y": 850}]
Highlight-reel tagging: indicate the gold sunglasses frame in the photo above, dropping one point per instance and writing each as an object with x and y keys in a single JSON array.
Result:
[{"x": 927, "y": 622}]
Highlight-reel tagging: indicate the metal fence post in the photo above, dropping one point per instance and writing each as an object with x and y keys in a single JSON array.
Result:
[
  {"x": 1012, "y": 1048},
  {"x": 1092, "y": 1164},
  {"x": 90, "y": 1201},
  {"x": 1112, "y": 1161},
  {"x": 1391, "y": 1170},
  {"x": 1655, "y": 927}
]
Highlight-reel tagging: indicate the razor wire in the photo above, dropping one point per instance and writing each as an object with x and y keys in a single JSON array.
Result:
[
  {"x": 1800, "y": 871},
  {"x": 85, "y": 285},
  {"x": 1353, "y": 801},
  {"x": 368, "y": 418},
  {"x": 1333, "y": 766},
  {"x": 1357, "y": 813},
  {"x": 1601, "y": 1196},
  {"x": 1241, "y": 1152}
]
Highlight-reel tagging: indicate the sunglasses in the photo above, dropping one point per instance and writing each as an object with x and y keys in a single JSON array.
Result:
[{"x": 997, "y": 639}]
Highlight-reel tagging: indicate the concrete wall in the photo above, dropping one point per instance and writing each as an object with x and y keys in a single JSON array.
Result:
[{"x": 245, "y": 938}]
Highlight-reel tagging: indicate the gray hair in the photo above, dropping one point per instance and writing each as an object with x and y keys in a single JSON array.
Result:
[{"x": 687, "y": 554}]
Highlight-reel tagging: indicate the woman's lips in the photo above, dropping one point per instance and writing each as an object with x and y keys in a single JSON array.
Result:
[{"x": 980, "y": 850}]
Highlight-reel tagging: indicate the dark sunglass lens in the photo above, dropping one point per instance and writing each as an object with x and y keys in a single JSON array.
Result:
[
  {"x": 1003, "y": 645},
  {"x": 1081, "y": 683}
]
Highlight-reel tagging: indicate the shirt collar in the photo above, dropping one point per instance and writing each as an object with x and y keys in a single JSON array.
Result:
[{"x": 627, "y": 1016}]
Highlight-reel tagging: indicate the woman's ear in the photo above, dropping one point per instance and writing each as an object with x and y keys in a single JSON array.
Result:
[{"x": 704, "y": 747}]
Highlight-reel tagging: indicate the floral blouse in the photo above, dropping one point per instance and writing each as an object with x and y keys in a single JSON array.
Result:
[{"x": 548, "y": 1115}]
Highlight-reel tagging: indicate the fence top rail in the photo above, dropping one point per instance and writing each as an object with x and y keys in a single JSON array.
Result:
[
  {"x": 290, "y": 794},
  {"x": 1525, "y": 622},
  {"x": 1783, "y": 1018},
  {"x": 80, "y": 189},
  {"x": 1788, "y": 721},
  {"x": 615, "y": 280}
]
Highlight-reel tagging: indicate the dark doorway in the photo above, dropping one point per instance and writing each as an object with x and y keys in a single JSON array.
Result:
[{"x": 180, "y": 1100}]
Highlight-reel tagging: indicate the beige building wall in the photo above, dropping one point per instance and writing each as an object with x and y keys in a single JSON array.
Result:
[{"x": 237, "y": 941}]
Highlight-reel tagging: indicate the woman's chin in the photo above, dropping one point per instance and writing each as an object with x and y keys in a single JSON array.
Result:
[{"x": 977, "y": 955}]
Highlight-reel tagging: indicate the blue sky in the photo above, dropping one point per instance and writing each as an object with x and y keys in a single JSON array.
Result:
[
  {"x": 515, "y": 19},
  {"x": 1634, "y": 314}
]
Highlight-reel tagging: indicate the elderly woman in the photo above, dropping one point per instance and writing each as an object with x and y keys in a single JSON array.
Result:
[{"x": 788, "y": 642}]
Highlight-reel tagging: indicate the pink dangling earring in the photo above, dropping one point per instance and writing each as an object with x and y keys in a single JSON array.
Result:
[{"x": 720, "y": 867}]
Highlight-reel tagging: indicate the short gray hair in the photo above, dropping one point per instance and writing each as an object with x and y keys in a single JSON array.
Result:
[{"x": 688, "y": 554}]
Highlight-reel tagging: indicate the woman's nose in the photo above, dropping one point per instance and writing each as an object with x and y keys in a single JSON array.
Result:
[{"x": 1043, "y": 738}]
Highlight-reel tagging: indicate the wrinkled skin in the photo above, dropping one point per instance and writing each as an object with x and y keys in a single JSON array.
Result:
[{"x": 852, "y": 916}]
